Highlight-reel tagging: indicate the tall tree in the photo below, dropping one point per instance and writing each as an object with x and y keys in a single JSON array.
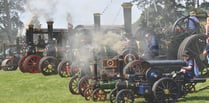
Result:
[
  {"x": 162, "y": 13},
  {"x": 158, "y": 13},
  {"x": 9, "y": 18}
]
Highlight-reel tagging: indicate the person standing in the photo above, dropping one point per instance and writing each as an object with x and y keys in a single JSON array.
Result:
[
  {"x": 152, "y": 49},
  {"x": 192, "y": 21}
]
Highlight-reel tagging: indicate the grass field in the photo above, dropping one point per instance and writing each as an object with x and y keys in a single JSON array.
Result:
[{"x": 18, "y": 87}]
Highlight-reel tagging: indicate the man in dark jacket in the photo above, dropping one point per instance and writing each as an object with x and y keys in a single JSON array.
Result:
[{"x": 152, "y": 49}]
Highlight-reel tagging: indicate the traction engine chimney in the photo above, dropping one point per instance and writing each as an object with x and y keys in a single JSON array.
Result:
[
  {"x": 97, "y": 21},
  {"x": 50, "y": 30},
  {"x": 127, "y": 18},
  {"x": 29, "y": 35}
]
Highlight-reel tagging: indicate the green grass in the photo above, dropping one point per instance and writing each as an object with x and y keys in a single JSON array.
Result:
[{"x": 18, "y": 87}]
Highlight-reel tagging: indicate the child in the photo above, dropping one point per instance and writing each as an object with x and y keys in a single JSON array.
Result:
[{"x": 188, "y": 70}]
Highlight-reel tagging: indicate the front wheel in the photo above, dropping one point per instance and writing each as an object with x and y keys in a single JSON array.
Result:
[
  {"x": 125, "y": 96},
  {"x": 87, "y": 93},
  {"x": 112, "y": 95},
  {"x": 83, "y": 83},
  {"x": 73, "y": 88},
  {"x": 99, "y": 95},
  {"x": 64, "y": 69},
  {"x": 48, "y": 65},
  {"x": 165, "y": 90}
]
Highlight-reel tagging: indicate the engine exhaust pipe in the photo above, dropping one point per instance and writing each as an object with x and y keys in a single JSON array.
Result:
[
  {"x": 50, "y": 30},
  {"x": 127, "y": 18},
  {"x": 97, "y": 21},
  {"x": 29, "y": 35}
]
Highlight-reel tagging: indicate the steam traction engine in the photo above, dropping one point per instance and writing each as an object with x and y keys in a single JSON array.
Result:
[
  {"x": 48, "y": 64},
  {"x": 32, "y": 60},
  {"x": 65, "y": 67},
  {"x": 95, "y": 88},
  {"x": 56, "y": 59},
  {"x": 99, "y": 85},
  {"x": 11, "y": 55},
  {"x": 29, "y": 61},
  {"x": 145, "y": 79}
]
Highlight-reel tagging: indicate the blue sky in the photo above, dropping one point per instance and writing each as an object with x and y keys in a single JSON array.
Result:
[{"x": 81, "y": 11}]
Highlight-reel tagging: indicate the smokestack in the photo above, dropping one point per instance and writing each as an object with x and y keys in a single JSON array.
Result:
[
  {"x": 50, "y": 30},
  {"x": 29, "y": 35},
  {"x": 97, "y": 21},
  {"x": 127, "y": 18}
]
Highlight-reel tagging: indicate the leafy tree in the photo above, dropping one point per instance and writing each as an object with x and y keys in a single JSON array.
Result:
[
  {"x": 9, "y": 18},
  {"x": 163, "y": 13}
]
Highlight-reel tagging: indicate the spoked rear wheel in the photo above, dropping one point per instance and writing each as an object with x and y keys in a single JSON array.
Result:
[{"x": 30, "y": 64}]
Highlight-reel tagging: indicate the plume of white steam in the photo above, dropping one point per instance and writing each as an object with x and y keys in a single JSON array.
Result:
[
  {"x": 35, "y": 21},
  {"x": 99, "y": 41},
  {"x": 42, "y": 8},
  {"x": 109, "y": 39},
  {"x": 59, "y": 11}
]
